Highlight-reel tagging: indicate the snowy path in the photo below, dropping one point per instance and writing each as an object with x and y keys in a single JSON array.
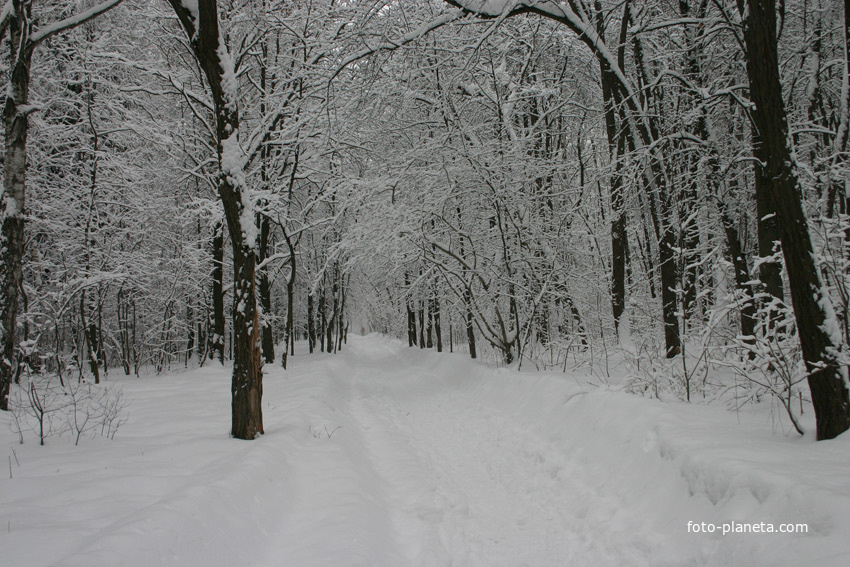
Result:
[
  {"x": 471, "y": 486},
  {"x": 385, "y": 456}
]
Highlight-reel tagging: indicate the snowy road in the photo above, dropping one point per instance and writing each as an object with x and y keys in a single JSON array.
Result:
[
  {"x": 469, "y": 485},
  {"x": 385, "y": 456},
  {"x": 448, "y": 463}
]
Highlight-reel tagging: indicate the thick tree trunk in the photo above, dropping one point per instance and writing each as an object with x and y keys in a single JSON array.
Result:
[
  {"x": 246, "y": 384},
  {"x": 247, "y": 380},
  {"x": 777, "y": 183}
]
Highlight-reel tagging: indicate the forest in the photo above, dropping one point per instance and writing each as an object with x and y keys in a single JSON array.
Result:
[{"x": 538, "y": 184}]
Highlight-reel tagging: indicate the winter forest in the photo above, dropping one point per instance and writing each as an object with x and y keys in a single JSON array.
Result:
[{"x": 299, "y": 221}]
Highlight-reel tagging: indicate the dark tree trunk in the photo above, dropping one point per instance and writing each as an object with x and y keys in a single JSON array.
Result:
[
  {"x": 311, "y": 323},
  {"x": 429, "y": 326},
  {"x": 770, "y": 273},
  {"x": 265, "y": 288},
  {"x": 411, "y": 315},
  {"x": 340, "y": 319},
  {"x": 435, "y": 310},
  {"x": 742, "y": 273},
  {"x": 123, "y": 312},
  {"x": 190, "y": 328},
  {"x": 616, "y": 148},
  {"x": 470, "y": 323},
  {"x": 421, "y": 326},
  {"x": 247, "y": 381},
  {"x": 332, "y": 322},
  {"x": 411, "y": 325},
  {"x": 90, "y": 339},
  {"x": 323, "y": 321},
  {"x": 218, "y": 320},
  {"x": 777, "y": 183},
  {"x": 289, "y": 328}
]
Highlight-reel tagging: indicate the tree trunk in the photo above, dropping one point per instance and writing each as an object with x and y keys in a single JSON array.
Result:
[
  {"x": 619, "y": 236},
  {"x": 470, "y": 323},
  {"x": 265, "y": 289},
  {"x": 429, "y": 326},
  {"x": 311, "y": 323},
  {"x": 214, "y": 59},
  {"x": 89, "y": 334},
  {"x": 218, "y": 321},
  {"x": 289, "y": 329},
  {"x": 777, "y": 183},
  {"x": 435, "y": 310},
  {"x": 742, "y": 273},
  {"x": 421, "y": 325},
  {"x": 13, "y": 203},
  {"x": 323, "y": 321}
]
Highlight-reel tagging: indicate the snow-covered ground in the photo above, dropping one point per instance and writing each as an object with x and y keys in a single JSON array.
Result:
[{"x": 389, "y": 456}]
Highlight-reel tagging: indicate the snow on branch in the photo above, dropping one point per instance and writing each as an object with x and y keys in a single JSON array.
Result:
[
  {"x": 71, "y": 21},
  {"x": 560, "y": 12},
  {"x": 392, "y": 44}
]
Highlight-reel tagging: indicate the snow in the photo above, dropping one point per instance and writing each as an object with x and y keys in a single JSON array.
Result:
[
  {"x": 232, "y": 165},
  {"x": 192, "y": 7},
  {"x": 229, "y": 84},
  {"x": 389, "y": 456},
  {"x": 72, "y": 21},
  {"x": 11, "y": 204}
]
